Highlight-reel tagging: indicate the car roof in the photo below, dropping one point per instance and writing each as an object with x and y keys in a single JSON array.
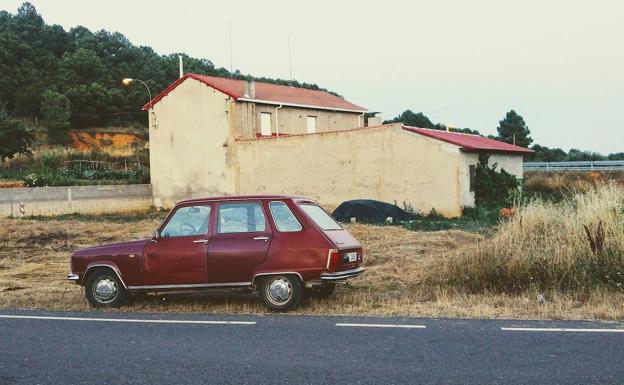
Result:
[{"x": 244, "y": 197}]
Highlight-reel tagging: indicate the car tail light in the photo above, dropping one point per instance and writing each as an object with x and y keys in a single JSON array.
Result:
[{"x": 333, "y": 256}]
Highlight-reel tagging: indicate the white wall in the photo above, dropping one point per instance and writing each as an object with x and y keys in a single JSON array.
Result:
[
  {"x": 511, "y": 163},
  {"x": 388, "y": 164},
  {"x": 189, "y": 143},
  {"x": 74, "y": 199}
]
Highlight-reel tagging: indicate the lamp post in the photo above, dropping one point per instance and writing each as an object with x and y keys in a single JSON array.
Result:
[{"x": 127, "y": 82}]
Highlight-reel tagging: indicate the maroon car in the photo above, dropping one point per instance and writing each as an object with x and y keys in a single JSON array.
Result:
[{"x": 279, "y": 245}]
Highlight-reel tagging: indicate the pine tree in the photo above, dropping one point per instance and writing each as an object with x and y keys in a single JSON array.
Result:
[{"x": 513, "y": 129}]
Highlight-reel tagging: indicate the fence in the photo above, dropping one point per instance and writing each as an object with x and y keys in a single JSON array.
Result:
[
  {"x": 575, "y": 166},
  {"x": 98, "y": 165},
  {"x": 15, "y": 202}
]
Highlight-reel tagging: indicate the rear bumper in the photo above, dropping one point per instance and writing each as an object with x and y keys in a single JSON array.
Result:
[{"x": 339, "y": 275}]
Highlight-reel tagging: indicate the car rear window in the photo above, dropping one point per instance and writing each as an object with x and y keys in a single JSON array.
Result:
[{"x": 320, "y": 217}]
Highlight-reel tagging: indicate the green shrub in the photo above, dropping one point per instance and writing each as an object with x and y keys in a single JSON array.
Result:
[
  {"x": 494, "y": 189},
  {"x": 34, "y": 180}
]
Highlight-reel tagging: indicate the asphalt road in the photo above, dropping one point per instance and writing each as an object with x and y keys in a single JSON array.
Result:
[{"x": 302, "y": 350}]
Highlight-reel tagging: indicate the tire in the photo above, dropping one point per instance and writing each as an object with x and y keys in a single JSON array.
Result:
[
  {"x": 104, "y": 289},
  {"x": 322, "y": 292},
  {"x": 281, "y": 292}
]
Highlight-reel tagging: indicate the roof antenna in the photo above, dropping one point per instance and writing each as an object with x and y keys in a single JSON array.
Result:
[
  {"x": 289, "y": 61},
  {"x": 231, "y": 65}
]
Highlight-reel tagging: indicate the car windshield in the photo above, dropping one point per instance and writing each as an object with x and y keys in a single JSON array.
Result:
[{"x": 320, "y": 217}]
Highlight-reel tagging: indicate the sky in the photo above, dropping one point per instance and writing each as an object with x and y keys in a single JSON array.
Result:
[{"x": 558, "y": 63}]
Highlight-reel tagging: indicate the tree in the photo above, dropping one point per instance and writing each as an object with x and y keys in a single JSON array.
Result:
[
  {"x": 513, "y": 129},
  {"x": 87, "y": 68},
  {"x": 545, "y": 154},
  {"x": 466, "y": 131},
  {"x": 421, "y": 120},
  {"x": 493, "y": 189},
  {"x": 579, "y": 155},
  {"x": 410, "y": 118},
  {"x": 15, "y": 137},
  {"x": 56, "y": 110},
  {"x": 616, "y": 156}
]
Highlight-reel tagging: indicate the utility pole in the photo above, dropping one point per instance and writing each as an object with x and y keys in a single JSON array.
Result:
[
  {"x": 289, "y": 61},
  {"x": 231, "y": 65}
]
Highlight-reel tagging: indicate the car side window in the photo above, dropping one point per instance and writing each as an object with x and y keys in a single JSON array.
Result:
[
  {"x": 246, "y": 217},
  {"x": 284, "y": 219},
  {"x": 187, "y": 221}
]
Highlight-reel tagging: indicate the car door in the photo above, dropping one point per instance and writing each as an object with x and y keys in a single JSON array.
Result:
[
  {"x": 178, "y": 254},
  {"x": 240, "y": 242}
]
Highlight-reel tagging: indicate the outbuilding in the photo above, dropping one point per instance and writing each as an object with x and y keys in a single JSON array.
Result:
[{"x": 215, "y": 136}]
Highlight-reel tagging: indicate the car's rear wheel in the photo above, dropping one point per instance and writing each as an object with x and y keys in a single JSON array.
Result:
[
  {"x": 281, "y": 292},
  {"x": 103, "y": 289},
  {"x": 322, "y": 292}
]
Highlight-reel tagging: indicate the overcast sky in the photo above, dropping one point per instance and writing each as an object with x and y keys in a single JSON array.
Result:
[{"x": 559, "y": 63}]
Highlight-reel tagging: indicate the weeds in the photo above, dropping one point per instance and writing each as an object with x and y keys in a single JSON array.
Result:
[
  {"x": 66, "y": 167},
  {"x": 475, "y": 220},
  {"x": 557, "y": 186},
  {"x": 576, "y": 245}
]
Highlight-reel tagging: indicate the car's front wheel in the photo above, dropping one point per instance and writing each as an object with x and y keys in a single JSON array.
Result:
[
  {"x": 103, "y": 289},
  {"x": 281, "y": 292}
]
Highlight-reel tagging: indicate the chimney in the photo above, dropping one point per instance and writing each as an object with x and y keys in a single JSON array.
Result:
[
  {"x": 250, "y": 89},
  {"x": 181, "y": 66}
]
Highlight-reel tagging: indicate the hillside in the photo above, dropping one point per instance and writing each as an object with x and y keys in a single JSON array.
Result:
[{"x": 73, "y": 78}]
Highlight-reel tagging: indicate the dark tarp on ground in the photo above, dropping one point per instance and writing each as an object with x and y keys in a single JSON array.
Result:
[{"x": 369, "y": 211}]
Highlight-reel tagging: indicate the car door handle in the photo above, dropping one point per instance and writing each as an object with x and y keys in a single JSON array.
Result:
[
  {"x": 204, "y": 241},
  {"x": 261, "y": 238}
]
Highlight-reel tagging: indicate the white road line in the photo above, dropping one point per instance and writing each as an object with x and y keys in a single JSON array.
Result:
[
  {"x": 381, "y": 326},
  {"x": 568, "y": 330},
  {"x": 155, "y": 321}
]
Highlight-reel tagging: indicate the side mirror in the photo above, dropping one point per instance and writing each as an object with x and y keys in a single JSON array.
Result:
[{"x": 154, "y": 238}]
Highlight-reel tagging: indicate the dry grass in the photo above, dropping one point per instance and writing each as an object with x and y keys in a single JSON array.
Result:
[
  {"x": 561, "y": 185},
  {"x": 575, "y": 246},
  {"x": 34, "y": 260}
]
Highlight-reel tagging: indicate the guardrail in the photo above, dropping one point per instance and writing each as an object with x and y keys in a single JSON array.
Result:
[{"x": 575, "y": 166}]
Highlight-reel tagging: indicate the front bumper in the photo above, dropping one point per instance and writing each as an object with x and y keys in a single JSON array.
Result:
[
  {"x": 73, "y": 277},
  {"x": 339, "y": 275}
]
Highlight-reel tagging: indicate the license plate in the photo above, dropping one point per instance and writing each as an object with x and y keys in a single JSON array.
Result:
[{"x": 351, "y": 257}]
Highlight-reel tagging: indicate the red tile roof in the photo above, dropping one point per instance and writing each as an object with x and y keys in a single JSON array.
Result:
[
  {"x": 469, "y": 142},
  {"x": 267, "y": 93}
]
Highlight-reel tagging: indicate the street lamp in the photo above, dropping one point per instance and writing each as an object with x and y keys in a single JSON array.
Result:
[{"x": 127, "y": 82}]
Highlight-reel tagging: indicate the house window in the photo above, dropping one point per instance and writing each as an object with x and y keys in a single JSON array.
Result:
[
  {"x": 311, "y": 124},
  {"x": 265, "y": 123},
  {"x": 473, "y": 175}
]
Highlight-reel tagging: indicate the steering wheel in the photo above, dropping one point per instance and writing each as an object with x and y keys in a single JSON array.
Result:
[{"x": 187, "y": 229}]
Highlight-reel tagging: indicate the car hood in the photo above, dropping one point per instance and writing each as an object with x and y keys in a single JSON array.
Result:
[{"x": 129, "y": 247}]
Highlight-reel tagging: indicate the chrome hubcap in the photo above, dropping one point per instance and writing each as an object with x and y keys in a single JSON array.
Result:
[
  {"x": 279, "y": 291},
  {"x": 105, "y": 290}
]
